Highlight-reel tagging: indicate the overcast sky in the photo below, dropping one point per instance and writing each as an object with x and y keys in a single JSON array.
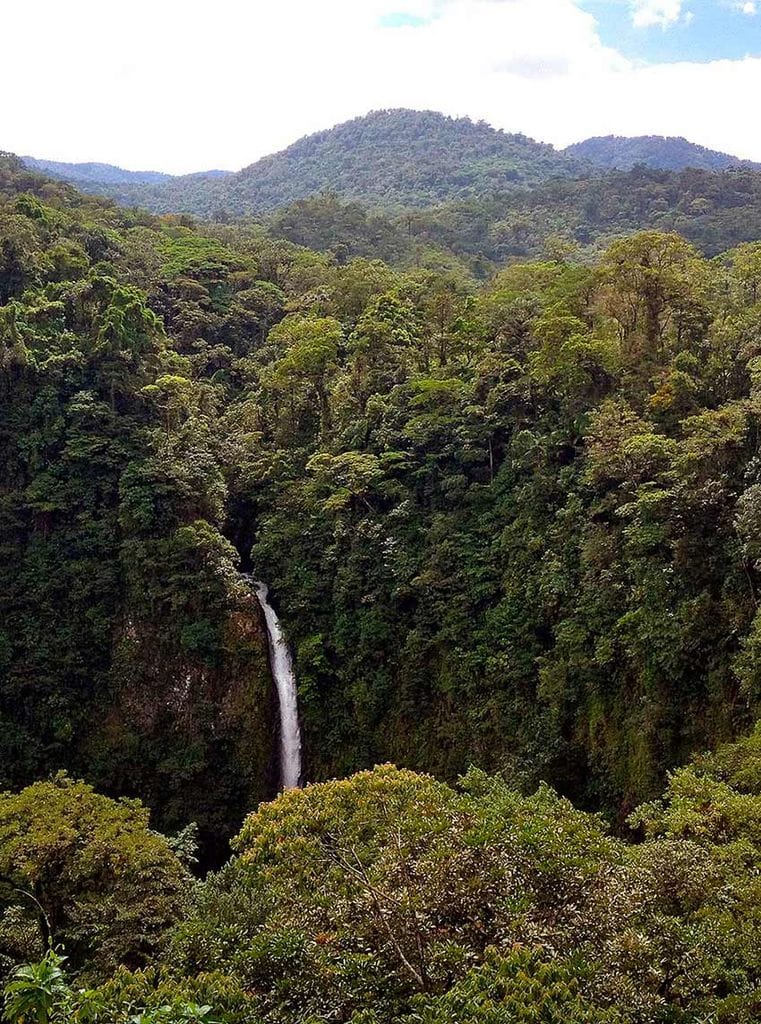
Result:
[{"x": 182, "y": 85}]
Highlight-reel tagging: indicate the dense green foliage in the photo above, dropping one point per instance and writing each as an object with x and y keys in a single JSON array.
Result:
[
  {"x": 715, "y": 211},
  {"x": 510, "y": 519},
  {"x": 129, "y": 648},
  {"x": 388, "y": 158},
  {"x": 510, "y": 524},
  {"x": 397, "y": 157},
  {"x": 516, "y": 526},
  {"x": 578, "y": 217},
  {"x": 81, "y": 871},
  {"x": 665, "y": 153},
  {"x": 391, "y": 898},
  {"x": 396, "y": 184}
]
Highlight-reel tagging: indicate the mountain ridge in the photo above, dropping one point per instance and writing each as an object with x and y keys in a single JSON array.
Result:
[
  {"x": 393, "y": 161},
  {"x": 93, "y": 171},
  {"x": 661, "y": 152},
  {"x": 393, "y": 157}
]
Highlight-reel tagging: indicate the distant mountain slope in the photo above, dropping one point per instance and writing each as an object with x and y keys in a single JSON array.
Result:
[
  {"x": 394, "y": 161},
  {"x": 199, "y": 194},
  {"x": 94, "y": 173},
  {"x": 614, "y": 152},
  {"x": 398, "y": 158},
  {"x": 165, "y": 193},
  {"x": 390, "y": 158}
]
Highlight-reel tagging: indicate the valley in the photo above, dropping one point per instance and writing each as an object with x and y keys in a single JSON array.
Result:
[{"x": 484, "y": 416}]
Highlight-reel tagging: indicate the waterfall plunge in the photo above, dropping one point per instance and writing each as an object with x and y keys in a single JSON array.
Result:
[{"x": 281, "y": 664}]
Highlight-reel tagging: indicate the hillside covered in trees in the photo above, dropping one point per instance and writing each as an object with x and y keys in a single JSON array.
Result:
[
  {"x": 387, "y": 158},
  {"x": 391, "y": 898},
  {"x": 386, "y": 184},
  {"x": 664, "y": 153},
  {"x": 577, "y": 218},
  {"x": 478, "y": 506},
  {"x": 508, "y": 508},
  {"x": 93, "y": 174},
  {"x": 416, "y": 188}
]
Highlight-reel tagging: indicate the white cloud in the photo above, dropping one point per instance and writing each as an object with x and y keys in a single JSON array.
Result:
[
  {"x": 648, "y": 13},
  {"x": 177, "y": 85}
]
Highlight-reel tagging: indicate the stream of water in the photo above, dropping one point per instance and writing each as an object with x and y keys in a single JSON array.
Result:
[{"x": 281, "y": 664}]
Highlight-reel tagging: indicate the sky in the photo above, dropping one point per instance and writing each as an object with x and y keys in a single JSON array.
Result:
[{"x": 187, "y": 85}]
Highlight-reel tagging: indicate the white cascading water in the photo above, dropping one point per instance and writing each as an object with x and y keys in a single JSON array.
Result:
[{"x": 281, "y": 664}]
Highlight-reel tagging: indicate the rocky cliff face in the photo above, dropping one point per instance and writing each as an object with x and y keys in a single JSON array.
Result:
[{"x": 195, "y": 741}]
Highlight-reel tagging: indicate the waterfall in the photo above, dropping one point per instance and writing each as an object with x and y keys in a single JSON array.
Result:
[{"x": 281, "y": 664}]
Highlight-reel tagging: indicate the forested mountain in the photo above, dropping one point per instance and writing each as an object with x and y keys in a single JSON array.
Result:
[
  {"x": 422, "y": 467},
  {"x": 92, "y": 177},
  {"x": 388, "y": 158},
  {"x": 510, "y": 522},
  {"x": 397, "y": 184},
  {"x": 408, "y": 159},
  {"x": 615, "y": 152},
  {"x": 93, "y": 173},
  {"x": 165, "y": 193},
  {"x": 397, "y": 158}
]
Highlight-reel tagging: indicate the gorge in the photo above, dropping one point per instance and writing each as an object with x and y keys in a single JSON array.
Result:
[{"x": 511, "y": 527}]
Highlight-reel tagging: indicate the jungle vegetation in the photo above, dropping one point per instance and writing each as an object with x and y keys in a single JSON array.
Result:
[
  {"x": 510, "y": 518},
  {"x": 666, "y": 153},
  {"x": 391, "y": 898},
  {"x": 510, "y": 524},
  {"x": 390, "y": 184},
  {"x": 387, "y": 158}
]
